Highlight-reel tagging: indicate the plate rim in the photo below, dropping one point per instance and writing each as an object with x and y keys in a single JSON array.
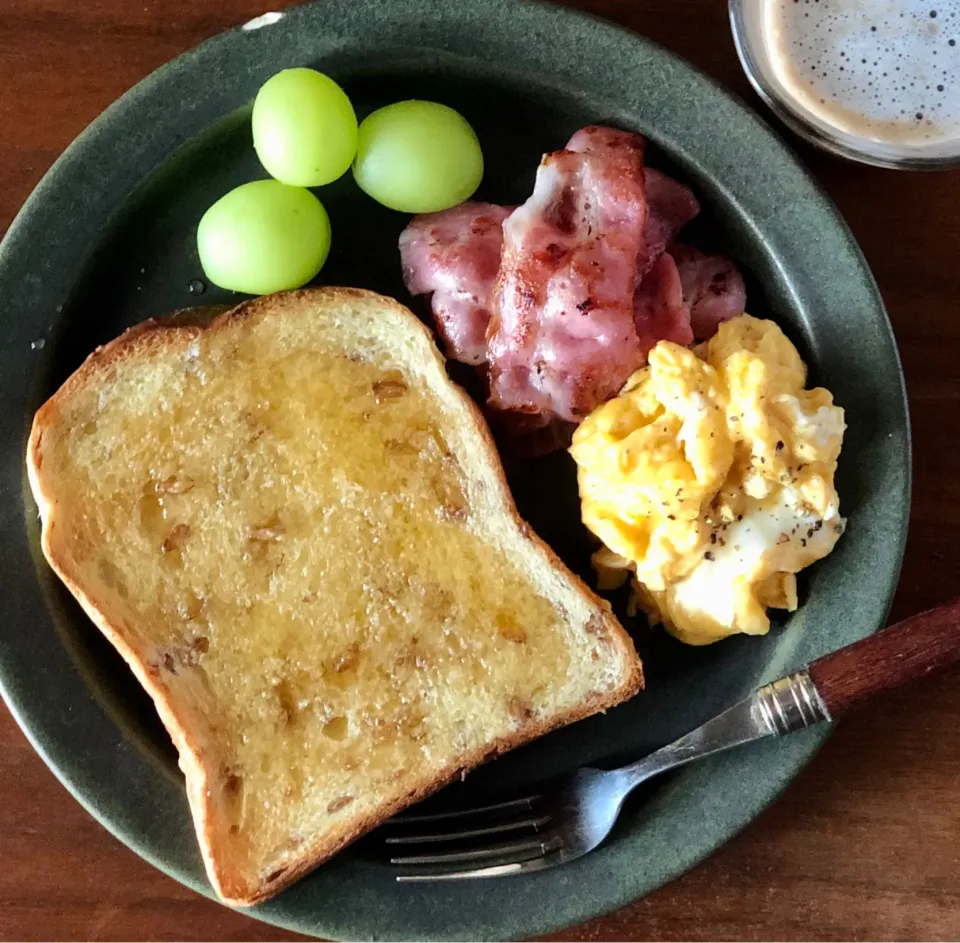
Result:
[{"x": 801, "y": 747}]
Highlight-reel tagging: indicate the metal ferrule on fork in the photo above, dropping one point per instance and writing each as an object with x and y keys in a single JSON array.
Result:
[{"x": 791, "y": 704}]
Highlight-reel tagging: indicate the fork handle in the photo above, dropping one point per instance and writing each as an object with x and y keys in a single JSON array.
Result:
[
  {"x": 825, "y": 690},
  {"x": 904, "y": 652}
]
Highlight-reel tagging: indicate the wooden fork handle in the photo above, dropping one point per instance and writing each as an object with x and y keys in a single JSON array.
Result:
[{"x": 904, "y": 652}]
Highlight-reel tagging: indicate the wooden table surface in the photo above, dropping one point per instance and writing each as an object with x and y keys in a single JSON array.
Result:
[{"x": 865, "y": 844}]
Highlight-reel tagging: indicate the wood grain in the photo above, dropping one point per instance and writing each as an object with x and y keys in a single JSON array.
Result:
[
  {"x": 863, "y": 845},
  {"x": 899, "y": 654}
]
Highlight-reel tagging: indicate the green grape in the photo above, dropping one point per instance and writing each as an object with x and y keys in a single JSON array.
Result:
[
  {"x": 304, "y": 128},
  {"x": 264, "y": 237},
  {"x": 418, "y": 157}
]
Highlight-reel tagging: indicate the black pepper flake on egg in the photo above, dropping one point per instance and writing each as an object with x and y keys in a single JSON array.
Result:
[
  {"x": 803, "y": 541},
  {"x": 713, "y": 538},
  {"x": 779, "y": 446},
  {"x": 709, "y": 556}
]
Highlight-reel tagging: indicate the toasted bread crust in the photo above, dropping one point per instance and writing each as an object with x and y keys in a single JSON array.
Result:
[{"x": 153, "y": 337}]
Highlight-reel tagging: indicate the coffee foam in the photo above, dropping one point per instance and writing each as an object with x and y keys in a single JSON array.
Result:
[{"x": 887, "y": 70}]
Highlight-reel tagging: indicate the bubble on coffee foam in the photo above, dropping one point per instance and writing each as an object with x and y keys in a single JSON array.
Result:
[{"x": 885, "y": 69}]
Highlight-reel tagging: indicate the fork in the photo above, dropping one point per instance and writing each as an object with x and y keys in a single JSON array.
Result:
[{"x": 576, "y": 814}]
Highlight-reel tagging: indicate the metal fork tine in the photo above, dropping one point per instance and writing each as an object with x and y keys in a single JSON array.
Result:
[
  {"x": 533, "y": 822},
  {"x": 463, "y": 813},
  {"x": 493, "y": 871},
  {"x": 534, "y": 846}
]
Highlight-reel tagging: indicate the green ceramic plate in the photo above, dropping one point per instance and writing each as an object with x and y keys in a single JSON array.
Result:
[{"x": 107, "y": 239}]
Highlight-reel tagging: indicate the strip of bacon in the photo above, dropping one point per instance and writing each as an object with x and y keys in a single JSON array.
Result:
[
  {"x": 671, "y": 206},
  {"x": 562, "y": 337},
  {"x": 660, "y": 313},
  {"x": 456, "y": 255},
  {"x": 713, "y": 289}
]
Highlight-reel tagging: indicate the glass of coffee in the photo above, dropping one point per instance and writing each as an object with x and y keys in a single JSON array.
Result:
[{"x": 874, "y": 80}]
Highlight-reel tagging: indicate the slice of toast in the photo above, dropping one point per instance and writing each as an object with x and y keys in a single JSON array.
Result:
[{"x": 296, "y": 530}]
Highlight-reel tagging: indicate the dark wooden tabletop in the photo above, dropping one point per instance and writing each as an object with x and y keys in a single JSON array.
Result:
[{"x": 865, "y": 844}]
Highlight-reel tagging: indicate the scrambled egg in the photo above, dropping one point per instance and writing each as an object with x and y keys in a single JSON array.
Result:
[{"x": 711, "y": 477}]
